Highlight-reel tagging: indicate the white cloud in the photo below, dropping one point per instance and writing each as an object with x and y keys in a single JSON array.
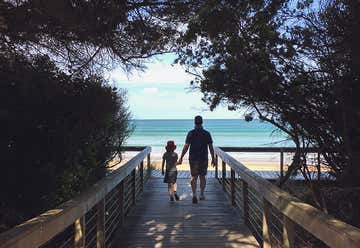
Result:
[
  {"x": 161, "y": 92},
  {"x": 160, "y": 72},
  {"x": 151, "y": 90}
]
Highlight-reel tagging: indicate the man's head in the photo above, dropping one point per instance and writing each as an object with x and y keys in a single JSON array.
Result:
[{"x": 198, "y": 120}]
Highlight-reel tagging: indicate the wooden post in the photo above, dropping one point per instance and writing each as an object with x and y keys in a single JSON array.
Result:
[
  {"x": 265, "y": 226},
  {"x": 80, "y": 232},
  {"x": 148, "y": 165},
  {"x": 100, "y": 224},
  {"x": 216, "y": 166},
  {"x": 142, "y": 176},
  {"x": 133, "y": 175},
  {"x": 122, "y": 201},
  {"x": 288, "y": 233},
  {"x": 281, "y": 163},
  {"x": 223, "y": 175},
  {"x": 232, "y": 187},
  {"x": 318, "y": 167},
  {"x": 245, "y": 202}
]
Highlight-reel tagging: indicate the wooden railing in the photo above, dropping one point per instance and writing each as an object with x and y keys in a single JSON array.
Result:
[
  {"x": 90, "y": 219},
  {"x": 281, "y": 151},
  {"x": 276, "y": 218}
]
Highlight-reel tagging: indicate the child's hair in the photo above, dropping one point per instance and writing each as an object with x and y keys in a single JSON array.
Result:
[{"x": 170, "y": 146}]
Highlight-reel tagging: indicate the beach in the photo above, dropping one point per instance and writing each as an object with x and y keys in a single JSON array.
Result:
[{"x": 253, "y": 161}]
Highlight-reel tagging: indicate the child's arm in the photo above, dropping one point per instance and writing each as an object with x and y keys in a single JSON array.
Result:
[{"x": 162, "y": 166}]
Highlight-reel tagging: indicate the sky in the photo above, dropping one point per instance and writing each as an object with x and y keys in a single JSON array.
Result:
[{"x": 163, "y": 91}]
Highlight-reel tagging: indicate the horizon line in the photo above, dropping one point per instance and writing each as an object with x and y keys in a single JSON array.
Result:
[{"x": 150, "y": 119}]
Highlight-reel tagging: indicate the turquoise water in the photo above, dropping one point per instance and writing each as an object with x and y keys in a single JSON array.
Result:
[{"x": 229, "y": 132}]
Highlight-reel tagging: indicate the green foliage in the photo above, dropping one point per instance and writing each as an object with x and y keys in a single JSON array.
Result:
[
  {"x": 58, "y": 133},
  {"x": 89, "y": 35},
  {"x": 61, "y": 122},
  {"x": 292, "y": 63}
]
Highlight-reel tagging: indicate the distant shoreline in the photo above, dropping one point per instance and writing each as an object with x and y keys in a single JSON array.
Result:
[
  {"x": 220, "y": 119},
  {"x": 264, "y": 162}
]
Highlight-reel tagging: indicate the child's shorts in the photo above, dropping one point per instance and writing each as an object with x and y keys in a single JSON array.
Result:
[{"x": 170, "y": 177}]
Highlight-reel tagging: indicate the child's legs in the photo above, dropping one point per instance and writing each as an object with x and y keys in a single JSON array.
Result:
[{"x": 175, "y": 186}]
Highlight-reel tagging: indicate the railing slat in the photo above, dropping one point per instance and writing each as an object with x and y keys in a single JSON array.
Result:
[
  {"x": 281, "y": 163},
  {"x": 142, "y": 176},
  {"x": 216, "y": 166},
  {"x": 245, "y": 202},
  {"x": 232, "y": 187},
  {"x": 133, "y": 179},
  {"x": 80, "y": 232},
  {"x": 223, "y": 174},
  {"x": 288, "y": 233},
  {"x": 100, "y": 224},
  {"x": 265, "y": 226}
]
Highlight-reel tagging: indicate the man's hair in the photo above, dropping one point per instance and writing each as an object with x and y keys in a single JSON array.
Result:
[{"x": 198, "y": 120}]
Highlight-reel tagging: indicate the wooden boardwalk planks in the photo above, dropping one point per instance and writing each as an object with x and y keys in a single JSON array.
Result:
[{"x": 155, "y": 222}]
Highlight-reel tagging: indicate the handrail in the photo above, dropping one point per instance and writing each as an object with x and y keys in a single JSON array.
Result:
[
  {"x": 41, "y": 229},
  {"x": 268, "y": 149},
  {"x": 280, "y": 150},
  {"x": 132, "y": 148},
  {"x": 329, "y": 230}
]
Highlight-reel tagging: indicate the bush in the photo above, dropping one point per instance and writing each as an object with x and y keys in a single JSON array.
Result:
[{"x": 58, "y": 133}]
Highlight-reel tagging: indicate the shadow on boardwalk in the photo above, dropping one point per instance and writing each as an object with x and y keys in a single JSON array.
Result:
[{"x": 155, "y": 222}]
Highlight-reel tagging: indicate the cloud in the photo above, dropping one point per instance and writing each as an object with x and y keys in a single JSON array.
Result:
[
  {"x": 159, "y": 72},
  {"x": 151, "y": 90},
  {"x": 162, "y": 92}
]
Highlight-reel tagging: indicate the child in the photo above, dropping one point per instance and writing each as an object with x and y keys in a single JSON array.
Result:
[{"x": 170, "y": 157}]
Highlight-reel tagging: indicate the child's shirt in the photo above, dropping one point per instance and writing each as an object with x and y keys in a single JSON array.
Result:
[{"x": 170, "y": 159}]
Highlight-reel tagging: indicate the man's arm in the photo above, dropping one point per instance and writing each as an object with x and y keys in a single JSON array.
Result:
[
  {"x": 184, "y": 151},
  {"x": 211, "y": 148}
]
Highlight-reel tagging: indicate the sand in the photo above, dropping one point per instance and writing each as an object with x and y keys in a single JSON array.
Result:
[
  {"x": 252, "y": 162},
  {"x": 255, "y": 161}
]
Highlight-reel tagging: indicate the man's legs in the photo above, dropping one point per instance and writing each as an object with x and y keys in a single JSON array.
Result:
[
  {"x": 193, "y": 184},
  {"x": 194, "y": 169},
  {"x": 202, "y": 186},
  {"x": 170, "y": 190},
  {"x": 202, "y": 173},
  {"x": 193, "y": 187}
]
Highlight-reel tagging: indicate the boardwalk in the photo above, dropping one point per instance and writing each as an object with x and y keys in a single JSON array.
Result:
[
  {"x": 96, "y": 217},
  {"x": 155, "y": 222}
]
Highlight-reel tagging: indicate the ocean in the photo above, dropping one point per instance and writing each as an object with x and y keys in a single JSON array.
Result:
[{"x": 226, "y": 132}]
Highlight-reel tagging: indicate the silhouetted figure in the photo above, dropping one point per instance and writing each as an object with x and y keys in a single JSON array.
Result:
[{"x": 198, "y": 140}]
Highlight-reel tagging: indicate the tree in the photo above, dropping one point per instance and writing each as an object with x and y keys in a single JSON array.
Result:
[
  {"x": 291, "y": 63},
  {"x": 58, "y": 133},
  {"x": 81, "y": 35},
  {"x": 61, "y": 122}
]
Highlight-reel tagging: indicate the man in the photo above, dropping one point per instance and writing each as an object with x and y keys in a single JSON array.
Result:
[{"x": 198, "y": 140}]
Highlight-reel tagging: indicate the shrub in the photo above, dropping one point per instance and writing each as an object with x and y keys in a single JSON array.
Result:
[{"x": 58, "y": 133}]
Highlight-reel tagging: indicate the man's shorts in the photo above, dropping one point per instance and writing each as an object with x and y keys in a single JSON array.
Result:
[{"x": 198, "y": 168}]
